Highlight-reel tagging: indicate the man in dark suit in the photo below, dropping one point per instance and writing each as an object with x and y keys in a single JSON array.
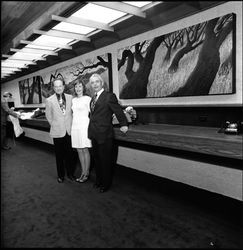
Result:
[{"x": 103, "y": 105}]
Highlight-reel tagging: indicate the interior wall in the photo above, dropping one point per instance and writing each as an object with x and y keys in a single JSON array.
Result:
[
  {"x": 223, "y": 100},
  {"x": 214, "y": 178}
]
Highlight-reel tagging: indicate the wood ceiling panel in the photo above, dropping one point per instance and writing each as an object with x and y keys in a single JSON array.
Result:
[
  {"x": 20, "y": 18},
  {"x": 34, "y": 16},
  {"x": 17, "y": 15}
]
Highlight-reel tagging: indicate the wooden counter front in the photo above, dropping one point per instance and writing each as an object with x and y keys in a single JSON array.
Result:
[{"x": 204, "y": 140}]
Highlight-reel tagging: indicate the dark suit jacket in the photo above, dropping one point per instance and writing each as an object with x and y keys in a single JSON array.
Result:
[{"x": 100, "y": 125}]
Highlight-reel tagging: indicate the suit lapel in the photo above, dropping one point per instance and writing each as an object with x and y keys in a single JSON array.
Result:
[
  {"x": 100, "y": 99},
  {"x": 57, "y": 103},
  {"x": 68, "y": 103}
]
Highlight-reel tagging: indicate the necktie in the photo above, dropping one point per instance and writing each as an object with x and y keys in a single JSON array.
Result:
[
  {"x": 94, "y": 99},
  {"x": 61, "y": 102}
]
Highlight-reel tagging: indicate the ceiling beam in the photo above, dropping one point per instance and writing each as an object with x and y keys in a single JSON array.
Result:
[
  {"x": 62, "y": 34},
  {"x": 4, "y": 74},
  {"x": 23, "y": 61},
  {"x": 52, "y": 45},
  {"x": 30, "y": 60},
  {"x": 4, "y": 55},
  {"x": 83, "y": 22},
  {"x": 35, "y": 51},
  {"x": 10, "y": 71},
  {"x": 123, "y": 7},
  {"x": 12, "y": 68},
  {"x": 7, "y": 72},
  {"x": 20, "y": 60}
]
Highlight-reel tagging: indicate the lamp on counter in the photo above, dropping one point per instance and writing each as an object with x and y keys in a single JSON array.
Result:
[
  {"x": 233, "y": 128},
  {"x": 130, "y": 114}
]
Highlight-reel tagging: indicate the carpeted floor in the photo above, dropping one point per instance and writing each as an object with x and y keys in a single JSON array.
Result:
[{"x": 139, "y": 211}]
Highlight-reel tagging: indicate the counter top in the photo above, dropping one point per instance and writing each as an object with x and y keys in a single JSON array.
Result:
[{"x": 204, "y": 140}]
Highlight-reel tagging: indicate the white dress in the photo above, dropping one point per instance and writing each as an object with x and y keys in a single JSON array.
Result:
[{"x": 79, "y": 130}]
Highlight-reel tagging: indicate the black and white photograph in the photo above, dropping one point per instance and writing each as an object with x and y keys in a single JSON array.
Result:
[{"x": 121, "y": 124}]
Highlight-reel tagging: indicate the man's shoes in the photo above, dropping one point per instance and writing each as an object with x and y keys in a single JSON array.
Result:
[
  {"x": 60, "y": 180},
  {"x": 96, "y": 185},
  {"x": 71, "y": 178}
]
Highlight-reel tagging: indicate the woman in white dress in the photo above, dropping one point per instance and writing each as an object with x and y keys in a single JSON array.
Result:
[{"x": 79, "y": 130}]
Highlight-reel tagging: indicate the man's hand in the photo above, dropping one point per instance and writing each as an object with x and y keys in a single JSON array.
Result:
[{"x": 124, "y": 129}]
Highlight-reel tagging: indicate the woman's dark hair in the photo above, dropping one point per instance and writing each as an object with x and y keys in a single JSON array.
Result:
[{"x": 77, "y": 81}]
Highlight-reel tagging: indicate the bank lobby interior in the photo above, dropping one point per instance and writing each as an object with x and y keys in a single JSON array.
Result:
[{"x": 178, "y": 173}]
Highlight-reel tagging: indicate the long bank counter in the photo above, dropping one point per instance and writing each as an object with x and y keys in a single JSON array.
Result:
[
  {"x": 204, "y": 140},
  {"x": 154, "y": 141}
]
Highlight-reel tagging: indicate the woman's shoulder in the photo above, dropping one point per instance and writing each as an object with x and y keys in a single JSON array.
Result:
[
  {"x": 68, "y": 96},
  {"x": 87, "y": 97},
  {"x": 74, "y": 98}
]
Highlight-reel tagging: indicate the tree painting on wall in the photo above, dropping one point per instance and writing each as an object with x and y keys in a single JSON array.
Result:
[
  {"x": 81, "y": 70},
  {"x": 30, "y": 90},
  {"x": 194, "y": 61}
]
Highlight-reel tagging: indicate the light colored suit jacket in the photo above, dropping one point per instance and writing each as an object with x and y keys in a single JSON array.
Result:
[{"x": 59, "y": 123}]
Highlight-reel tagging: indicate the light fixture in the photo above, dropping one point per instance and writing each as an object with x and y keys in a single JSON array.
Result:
[
  {"x": 35, "y": 51},
  {"x": 52, "y": 45}
]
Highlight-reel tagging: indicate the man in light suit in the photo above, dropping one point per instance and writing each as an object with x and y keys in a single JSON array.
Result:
[
  {"x": 59, "y": 115},
  {"x": 103, "y": 105}
]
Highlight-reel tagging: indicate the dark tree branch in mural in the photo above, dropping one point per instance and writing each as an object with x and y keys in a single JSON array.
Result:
[
  {"x": 101, "y": 62},
  {"x": 34, "y": 88},
  {"x": 28, "y": 90},
  {"x": 136, "y": 86},
  {"x": 126, "y": 55},
  {"x": 204, "y": 73},
  {"x": 31, "y": 91},
  {"x": 179, "y": 39},
  {"x": 170, "y": 41},
  {"x": 193, "y": 40},
  {"x": 25, "y": 93},
  {"x": 138, "y": 49}
]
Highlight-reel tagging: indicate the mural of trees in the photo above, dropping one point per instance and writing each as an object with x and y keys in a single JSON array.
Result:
[
  {"x": 193, "y": 61},
  {"x": 30, "y": 90},
  {"x": 82, "y": 70},
  {"x": 37, "y": 89}
]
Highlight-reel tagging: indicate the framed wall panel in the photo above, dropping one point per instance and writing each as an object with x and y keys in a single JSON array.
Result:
[
  {"x": 198, "y": 60},
  {"x": 30, "y": 90},
  {"x": 38, "y": 88}
]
